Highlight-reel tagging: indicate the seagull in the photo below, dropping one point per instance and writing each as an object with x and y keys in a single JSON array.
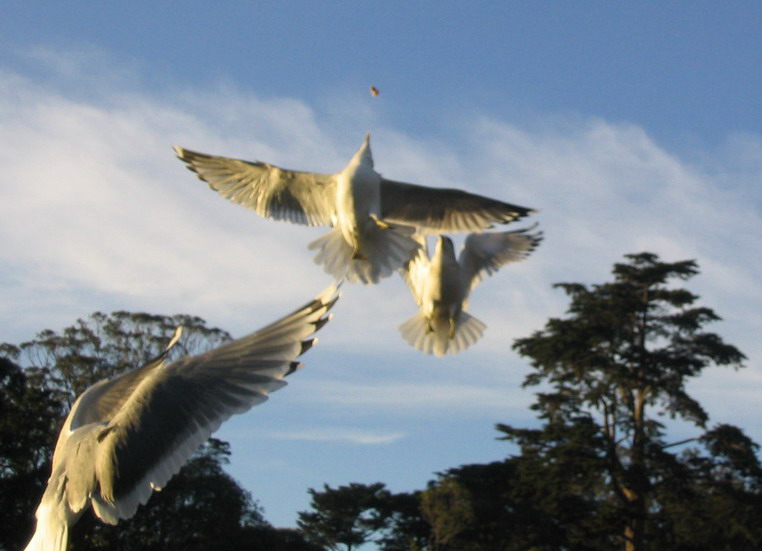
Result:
[
  {"x": 125, "y": 437},
  {"x": 441, "y": 285},
  {"x": 373, "y": 218}
]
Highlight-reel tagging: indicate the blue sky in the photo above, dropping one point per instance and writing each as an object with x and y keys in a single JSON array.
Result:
[{"x": 630, "y": 126}]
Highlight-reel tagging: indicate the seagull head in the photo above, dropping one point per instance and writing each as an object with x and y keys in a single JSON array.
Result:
[
  {"x": 444, "y": 247},
  {"x": 363, "y": 155}
]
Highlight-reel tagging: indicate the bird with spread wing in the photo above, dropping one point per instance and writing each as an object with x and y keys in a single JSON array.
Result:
[
  {"x": 373, "y": 219},
  {"x": 441, "y": 284},
  {"x": 125, "y": 437}
]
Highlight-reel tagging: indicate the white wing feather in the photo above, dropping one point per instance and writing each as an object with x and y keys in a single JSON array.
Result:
[
  {"x": 298, "y": 197},
  {"x": 484, "y": 253}
]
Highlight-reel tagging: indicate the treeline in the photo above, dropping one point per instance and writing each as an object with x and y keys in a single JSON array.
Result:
[{"x": 599, "y": 473}]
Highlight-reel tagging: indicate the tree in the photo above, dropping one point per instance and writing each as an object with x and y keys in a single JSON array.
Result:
[
  {"x": 616, "y": 368},
  {"x": 447, "y": 507},
  {"x": 404, "y": 528},
  {"x": 344, "y": 516},
  {"x": 28, "y": 417}
]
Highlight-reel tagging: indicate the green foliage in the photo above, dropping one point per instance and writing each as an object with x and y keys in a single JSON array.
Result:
[
  {"x": 28, "y": 418},
  {"x": 404, "y": 528},
  {"x": 344, "y": 516},
  {"x": 447, "y": 507},
  {"x": 616, "y": 368}
]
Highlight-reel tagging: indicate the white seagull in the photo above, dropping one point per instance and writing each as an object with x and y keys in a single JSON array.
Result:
[
  {"x": 441, "y": 285},
  {"x": 373, "y": 218},
  {"x": 127, "y": 436}
]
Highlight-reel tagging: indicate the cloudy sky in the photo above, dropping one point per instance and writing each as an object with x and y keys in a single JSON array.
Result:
[{"x": 630, "y": 126}]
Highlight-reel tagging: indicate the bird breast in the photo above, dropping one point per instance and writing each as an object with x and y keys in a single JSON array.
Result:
[
  {"x": 442, "y": 296},
  {"x": 358, "y": 197}
]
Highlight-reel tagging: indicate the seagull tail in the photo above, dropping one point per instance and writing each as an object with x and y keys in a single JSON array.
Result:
[
  {"x": 334, "y": 253},
  {"x": 436, "y": 340},
  {"x": 52, "y": 532},
  {"x": 385, "y": 248}
]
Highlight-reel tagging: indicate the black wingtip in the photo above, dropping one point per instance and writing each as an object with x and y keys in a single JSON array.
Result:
[
  {"x": 322, "y": 321},
  {"x": 293, "y": 366},
  {"x": 306, "y": 345}
]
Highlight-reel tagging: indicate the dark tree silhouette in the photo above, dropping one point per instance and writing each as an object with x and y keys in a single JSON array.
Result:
[
  {"x": 615, "y": 369},
  {"x": 343, "y": 517}
]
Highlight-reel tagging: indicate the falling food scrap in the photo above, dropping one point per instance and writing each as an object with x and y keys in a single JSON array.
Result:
[{"x": 373, "y": 91}]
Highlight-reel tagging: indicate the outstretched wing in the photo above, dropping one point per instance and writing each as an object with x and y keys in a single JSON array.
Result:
[
  {"x": 484, "y": 253},
  {"x": 435, "y": 211},
  {"x": 298, "y": 197},
  {"x": 100, "y": 402},
  {"x": 179, "y": 406}
]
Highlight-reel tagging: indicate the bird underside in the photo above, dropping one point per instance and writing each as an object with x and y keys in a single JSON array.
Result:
[{"x": 381, "y": 250}]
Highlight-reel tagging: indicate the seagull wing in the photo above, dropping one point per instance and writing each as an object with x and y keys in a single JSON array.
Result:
[
  {"x": 178, "y": 406},
  {"x": 100, "y": 402},
  {"x": 435, "y": 211},
  {"x": 299, "y": 197},
  {"x": 416, "y": 270},
  {"x": 484, "y": 253}
]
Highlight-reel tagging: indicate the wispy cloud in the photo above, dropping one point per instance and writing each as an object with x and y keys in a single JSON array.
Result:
[
  {"x": 97, "y": 214},
  {"x": 354, "y": 436}
]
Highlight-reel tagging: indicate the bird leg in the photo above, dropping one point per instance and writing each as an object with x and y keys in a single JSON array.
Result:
[{"x": 380, "y": 223}]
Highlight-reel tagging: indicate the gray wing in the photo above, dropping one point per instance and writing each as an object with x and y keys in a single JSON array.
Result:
[
  {"x": 484, "y": 253},
  {"x": 175, "y": 410},
  {"x": 435, "y": 211},
  {"x": 299, "y": 197}
]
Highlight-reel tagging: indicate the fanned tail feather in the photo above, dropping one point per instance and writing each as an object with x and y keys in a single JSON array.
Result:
[
  {"x": 385, "y": 249},
  {"x": 436, "y": 340}
]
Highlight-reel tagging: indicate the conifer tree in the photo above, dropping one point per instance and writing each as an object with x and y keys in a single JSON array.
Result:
[{"x": 615, "y": 369}]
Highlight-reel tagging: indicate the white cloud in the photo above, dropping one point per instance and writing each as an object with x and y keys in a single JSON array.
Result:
[
  {"x": 354, "y": 436},
  {"x": 97, "y": 214},
  {"x": 426, "y": 398}
]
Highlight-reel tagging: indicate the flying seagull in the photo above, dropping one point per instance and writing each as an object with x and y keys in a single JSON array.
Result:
[
  {"x": 373, "y": 218},
  {"x": 441, "y": 285},
  {"x": 127, "y": 436}
]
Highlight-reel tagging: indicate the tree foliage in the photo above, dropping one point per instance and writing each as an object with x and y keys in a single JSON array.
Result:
[
  {"x": 616, "y": 369},
  {"x": 447, "y": 506},
  {"x": 344, "y": 516},
  {"x": 350, "y": 516},
  {"x": 28, "y": 418}
]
